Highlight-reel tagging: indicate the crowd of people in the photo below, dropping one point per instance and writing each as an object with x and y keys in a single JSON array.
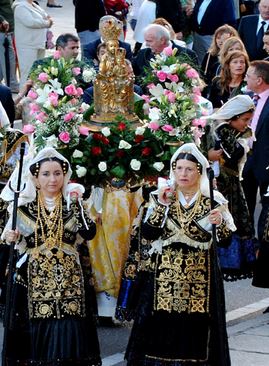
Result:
[{"x": 184, "y": 235}]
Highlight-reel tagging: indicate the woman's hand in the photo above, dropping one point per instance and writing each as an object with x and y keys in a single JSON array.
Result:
[
  {"x": 11, "y": 236},
  {"x": 166, "y": 195},
  {"x": 215, "y": 217},
  {"x": 214, "y": 155}
]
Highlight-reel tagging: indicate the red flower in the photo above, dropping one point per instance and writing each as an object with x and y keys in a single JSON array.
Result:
[
  {"x": 121, "y": 126},
  {"x": 120, "y": 154},
  {"x": 139, "y": 138},
  {"x": 146, "y": 151},
  {"x": 96, "y": 150},
  {"x": 97, "y": 136},
  {"x": 105, "y": 140}
]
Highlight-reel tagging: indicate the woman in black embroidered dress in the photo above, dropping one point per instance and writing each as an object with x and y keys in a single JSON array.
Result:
[
  {"x": 232, "y": 137},
  {"x": 52, "y": 316},
  {"x": 172, "y": 285}
]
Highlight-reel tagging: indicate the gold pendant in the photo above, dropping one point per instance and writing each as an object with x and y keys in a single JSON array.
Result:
[
  {"x": 50, "y": 242},
  {"x": 60, "y": 254},
  {"x": 35, "y": 253}
]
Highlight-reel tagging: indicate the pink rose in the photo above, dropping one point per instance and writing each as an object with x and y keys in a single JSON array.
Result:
[
  {"x": 34, "y": 108},
  {"x": 32, "y": 94},
  {"x": 173, "y": 77},
  {"x": 64, "y": 137},
  {"x": 53, "y": 98},
  {"x": 150, "y": 86},
  {"x": 199, "y": 122},
  {"x": 161, "y": 75},
  {"x": 168, "y": 51},
  {"x": 154, "y": 126},
  {"x": 69, "y": 116},
  {"x": 79, "y": 92},
  {"x": 171, "y": 97},
  {"x": 167, "y": 128},
  {"x": 28, "y": 129},
  {"x": 70, "y": 89},
  {"x": 44, "y": 77},
  {"x": 166, "y": 92},
  {"x": 146, "y": 98},
  {"x": 57, "y": 55},
  {"x": 41, "y": 117},
  {"x": 83, "y": 130},
  {"x": 76, "y": 71},
  {"x": 192, "y": 74}
]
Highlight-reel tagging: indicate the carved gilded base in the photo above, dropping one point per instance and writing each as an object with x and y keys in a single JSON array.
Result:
[{"x": 98, "y": 122}]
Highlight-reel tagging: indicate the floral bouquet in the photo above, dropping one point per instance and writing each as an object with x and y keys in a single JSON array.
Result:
[
  {"x": 174, "y": 104},
  {"x": 120, "y": 155},
  {"x": 56, "y": 107}
]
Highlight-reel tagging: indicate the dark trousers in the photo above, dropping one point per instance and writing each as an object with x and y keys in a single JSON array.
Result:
[{"x": 250, "y": 186}]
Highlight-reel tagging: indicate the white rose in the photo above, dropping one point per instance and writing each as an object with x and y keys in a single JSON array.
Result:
[
  {"x": 124, "y": 145},
  {"x": 88, "y": 75},
  {"x": 140, "y": 131},
  {"x": 158, "y": 166},
  {"x": 81, "y": 171},
  {"x": 84, "y": 107},
  {"x": 154, "y": 114},
  {"x": 102, "y": 166},
  {"x": 51, "y": 141},
  {"x": 135, "y": 164},
  {"x": 106, "y": 131},
  {"x": 77, "y": 154}
]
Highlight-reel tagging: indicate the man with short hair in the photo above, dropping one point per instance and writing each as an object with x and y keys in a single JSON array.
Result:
[
  {"x": 68, "y": 46},
  {"x": 251, "y": 30},
  {"x": 157, "y": 38},
  {"x": 256, "y": 172}
]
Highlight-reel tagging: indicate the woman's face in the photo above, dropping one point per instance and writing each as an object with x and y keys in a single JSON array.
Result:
[
  {"x": 242, "y": 122},
  {"x": 238, "y": 66},
  {"x": 50, "y": 178},
  {"x": 235, "y": 47},
  {"x": 187, "y": 175},
  {"x": 221, "y": 38}
]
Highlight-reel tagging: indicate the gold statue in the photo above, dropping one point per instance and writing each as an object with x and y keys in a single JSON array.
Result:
[{"x": 113, "y": 87}]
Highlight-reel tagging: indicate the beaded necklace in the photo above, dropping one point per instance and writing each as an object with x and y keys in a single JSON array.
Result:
[
  {"x": 53, "y": 237},
  {"x": 184, "y": 218}
]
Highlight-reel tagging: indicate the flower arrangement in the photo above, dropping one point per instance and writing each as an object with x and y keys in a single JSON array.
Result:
[
  {"x": 56, "y": 106},
  {"x": 174, "y": 105},
  {"x": 120, "y": 154}
]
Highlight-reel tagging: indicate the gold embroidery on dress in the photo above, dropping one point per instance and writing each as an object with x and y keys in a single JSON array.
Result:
[
  {"x": 56, "y": 288},
  {"x": 182, "y": 281}
]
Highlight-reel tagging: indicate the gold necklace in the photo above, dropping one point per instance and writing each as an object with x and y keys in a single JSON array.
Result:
[
  {"x": 184, "y": 218},
  {"x": 54, "y": 226}
]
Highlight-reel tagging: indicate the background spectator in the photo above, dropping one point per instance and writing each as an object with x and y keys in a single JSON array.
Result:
[{"x": 87, "y": 16}]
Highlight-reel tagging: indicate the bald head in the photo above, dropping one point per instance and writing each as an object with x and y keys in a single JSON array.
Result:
[
  {"x": 264, "y": 9},
  {"x": 156, "y": 37}
]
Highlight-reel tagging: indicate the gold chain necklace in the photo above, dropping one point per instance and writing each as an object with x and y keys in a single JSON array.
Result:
[
  {"x": 184, "y": 218},
  {"x": 54, "y": 225}
]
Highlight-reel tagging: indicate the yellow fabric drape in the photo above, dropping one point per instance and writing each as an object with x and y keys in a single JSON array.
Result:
[{"x": 109, "y": 249}]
